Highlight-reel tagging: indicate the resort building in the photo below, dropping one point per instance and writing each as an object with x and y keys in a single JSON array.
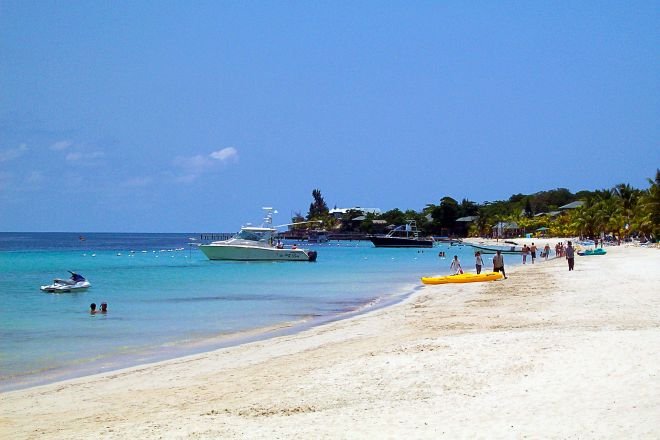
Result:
[
  {"x": 572, "y": 205},
  {"x": 338, "y": 213}
]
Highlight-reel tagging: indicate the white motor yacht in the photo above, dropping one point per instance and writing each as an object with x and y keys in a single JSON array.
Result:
[{"x": 254, "y": 243}]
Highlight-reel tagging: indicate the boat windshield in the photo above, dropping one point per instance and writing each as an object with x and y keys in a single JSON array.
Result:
[{"x": 252, "y": 235}]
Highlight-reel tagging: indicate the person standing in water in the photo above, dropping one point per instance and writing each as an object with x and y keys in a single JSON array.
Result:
[
  {"x": 456, "y": 266},
  {"x": 498, "y": 263},
  {"x": 478, "y": 262}
]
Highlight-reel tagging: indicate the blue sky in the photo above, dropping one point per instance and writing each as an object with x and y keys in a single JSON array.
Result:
[{"x": 181, "y": 116}]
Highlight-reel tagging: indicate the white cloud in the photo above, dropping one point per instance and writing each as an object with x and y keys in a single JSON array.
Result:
[
  {"x": 72, "y": 157},
  {"x": 12, "y": 153},
  {"x": 61, "y": 145},
  {"x": 194, "y": 166},
  {"x": 77, "y": 155},
  {"x": 225, "y": 154}
]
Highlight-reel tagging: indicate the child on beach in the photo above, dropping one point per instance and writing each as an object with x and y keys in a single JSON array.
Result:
[{"x": 456, "y": 266}]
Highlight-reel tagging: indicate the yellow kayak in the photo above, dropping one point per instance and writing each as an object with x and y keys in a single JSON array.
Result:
[{"x": 463, "y": 278}]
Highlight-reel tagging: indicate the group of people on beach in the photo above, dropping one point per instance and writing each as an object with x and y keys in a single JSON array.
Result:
[
  {"x": 560, "y": 249},
  {"x": 567, "y": 251},
  {"x": 531, "y": 251},
  {"x": 498, "y": 264}
]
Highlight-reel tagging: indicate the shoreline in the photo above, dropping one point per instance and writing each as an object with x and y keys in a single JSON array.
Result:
[
  {"x": 146, "y": 355},
  {"x": 180, "y": 349},
  {"x": 546, "y": 352}
]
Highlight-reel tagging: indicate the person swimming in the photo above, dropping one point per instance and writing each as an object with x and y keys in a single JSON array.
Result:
[{"x": 92, "y": 308}]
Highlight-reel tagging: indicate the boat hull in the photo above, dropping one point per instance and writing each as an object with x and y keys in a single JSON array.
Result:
[
  {"x": 66, "y": 288},
  {"x": 494, "y": 249},
  {"x": 463, "y": 278},
  {"x": 590, "y": 252},
  {"x": 248, "y": 253},
  {"x": 400, "y": 242}
]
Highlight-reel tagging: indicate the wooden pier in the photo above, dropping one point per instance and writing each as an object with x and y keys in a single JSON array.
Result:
[{"x": 216, "y": 236}]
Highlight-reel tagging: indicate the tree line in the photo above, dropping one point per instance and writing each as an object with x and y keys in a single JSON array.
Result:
[{"x": 619, "y": 211}]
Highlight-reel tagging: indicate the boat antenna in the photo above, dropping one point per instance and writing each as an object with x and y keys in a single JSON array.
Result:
[{"x": 268, "y": 219}]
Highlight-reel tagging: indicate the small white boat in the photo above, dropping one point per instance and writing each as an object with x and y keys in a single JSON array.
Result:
[
  {"x": 492, "y": 249},
  {"x": 74, "y": 284},
  {"x": 256, "y": 244}
]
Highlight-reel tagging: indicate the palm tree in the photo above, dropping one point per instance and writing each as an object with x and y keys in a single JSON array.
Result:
[
  {"x": 647, "y": 214},
  {"x": 582, "y": 220},
  {"x": 627, "y": 196}
]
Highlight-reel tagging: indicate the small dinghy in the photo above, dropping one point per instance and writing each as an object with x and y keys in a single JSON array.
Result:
[{"x": 76, "y": 283}]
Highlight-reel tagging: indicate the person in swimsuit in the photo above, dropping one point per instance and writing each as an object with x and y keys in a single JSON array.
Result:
[{"x": 498, "y": 263}]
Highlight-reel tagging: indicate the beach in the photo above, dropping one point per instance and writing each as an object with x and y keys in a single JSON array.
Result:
[{"x": 547, "y": 353}]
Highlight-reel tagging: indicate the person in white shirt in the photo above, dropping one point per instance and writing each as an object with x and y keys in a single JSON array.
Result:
[
  {"x": 479, "y": 262},
  {"x": 455, "y": 266}
]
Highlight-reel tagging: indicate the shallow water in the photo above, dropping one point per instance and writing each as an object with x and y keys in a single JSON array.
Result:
[{"x": 166, "y": 299}]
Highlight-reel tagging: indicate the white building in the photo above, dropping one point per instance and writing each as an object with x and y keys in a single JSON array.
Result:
[{"x": 338, "y": 213}]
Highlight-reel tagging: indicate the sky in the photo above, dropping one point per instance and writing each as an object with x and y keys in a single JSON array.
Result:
[{"x": 189, "y": 116}]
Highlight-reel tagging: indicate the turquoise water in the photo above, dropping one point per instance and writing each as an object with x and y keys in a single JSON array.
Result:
[{"x": 166, "y": 299}]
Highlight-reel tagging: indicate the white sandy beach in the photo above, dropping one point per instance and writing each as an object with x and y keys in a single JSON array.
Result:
[{"x": 547, "y": 353}]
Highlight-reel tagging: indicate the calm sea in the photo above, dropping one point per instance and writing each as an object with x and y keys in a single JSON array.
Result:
[{"x": 165, "y": 299}]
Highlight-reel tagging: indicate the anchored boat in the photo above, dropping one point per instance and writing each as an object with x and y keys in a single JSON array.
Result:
[
  {"x": 74, "y": 284},
  {"x": 257, "y": 244},
  {"x": 404, "y": 236},
  {"x": 485, "y": 249}
]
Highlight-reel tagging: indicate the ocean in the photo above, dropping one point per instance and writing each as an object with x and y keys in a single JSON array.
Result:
[{"x": 165, "y": 299}]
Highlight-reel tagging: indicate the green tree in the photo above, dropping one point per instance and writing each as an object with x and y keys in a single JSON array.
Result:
[
  {"x": 647, "y": 216},
  {"x": 448, "y": 213},
  {"x": 627, "y": 197},
  {"x": 394, "y": 217},
  {"x": 528, "y": 208},
  {"x": 318, "y": 209}
]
